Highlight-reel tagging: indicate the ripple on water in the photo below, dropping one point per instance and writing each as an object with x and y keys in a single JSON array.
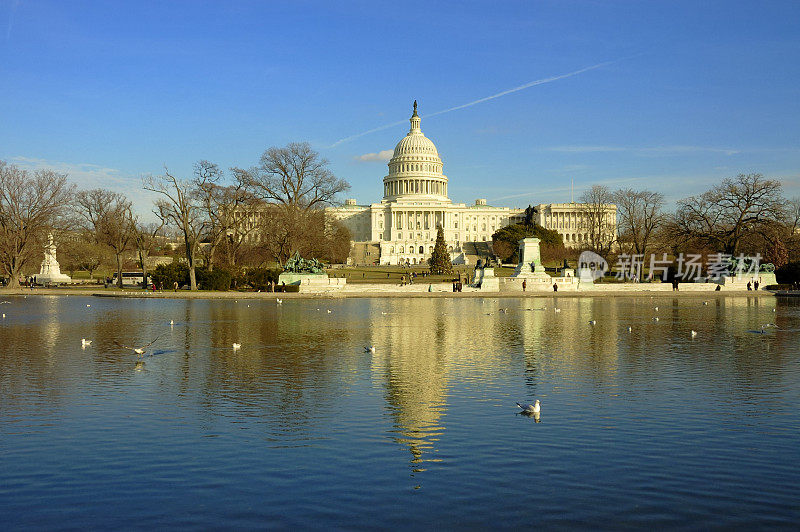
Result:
[{"x": 302, "y": 428}]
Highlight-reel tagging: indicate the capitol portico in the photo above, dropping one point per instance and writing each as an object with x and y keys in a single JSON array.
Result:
[{"x": 402, "y": 227}]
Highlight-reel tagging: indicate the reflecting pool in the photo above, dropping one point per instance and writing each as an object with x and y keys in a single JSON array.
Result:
[{"x": 303, "y": 427}]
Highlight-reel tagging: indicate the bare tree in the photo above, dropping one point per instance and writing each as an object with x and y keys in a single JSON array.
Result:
[
  {"x": 294, "y": 184},
  {"x": 599, "y": 216},
  {"x": 109, "y": 216},
  {"x": 294, "y": 176},
  {"x": 180, "y": 208},
  {"x": 724, "y": 215},
  {"x": 638, "y": 216},
  {"x": 793, "y": 215},
  {"x": 31, "y": 205},
  {"x": 284, "y": 230},
  {"x": 146, "y": 237},
  {"x": 228, "y": 210},
  {"x": 82, "y": 252}
]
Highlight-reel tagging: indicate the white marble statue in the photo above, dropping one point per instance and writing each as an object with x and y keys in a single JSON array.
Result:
[{"x": 50, "y": 271}]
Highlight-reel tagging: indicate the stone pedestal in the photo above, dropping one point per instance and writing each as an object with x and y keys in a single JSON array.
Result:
[
  {"x": 311, "y": 282},
  {"x": 50, "y": 270},
  {"x": 530, "y": 261},
  {"x": 739, "y": 282},
  {"x": 485, "y": 280}
]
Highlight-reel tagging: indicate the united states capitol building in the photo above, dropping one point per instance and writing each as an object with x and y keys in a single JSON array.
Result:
[{"x": 401, "y": 228}]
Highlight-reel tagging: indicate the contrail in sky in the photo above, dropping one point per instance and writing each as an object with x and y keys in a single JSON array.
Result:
[
  {"x": 481, "y": 100},
  {"x": 13, "y": 7}
]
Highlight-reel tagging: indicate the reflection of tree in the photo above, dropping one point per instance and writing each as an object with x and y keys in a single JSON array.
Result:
[{"x": 286, "y": 371}]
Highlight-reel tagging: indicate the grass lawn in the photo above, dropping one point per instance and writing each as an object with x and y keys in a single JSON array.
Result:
[{"x": 392, "y": 274}]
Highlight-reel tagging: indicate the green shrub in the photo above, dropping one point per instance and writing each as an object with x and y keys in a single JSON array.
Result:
[
  {"x": 789, "y": 273},
  {"x": 215, "y": 279},
  {"x": 505, "y": 241},
  {"x": 260, "y": 278},
  {"x": 778, "y": 287},
  {"x": 166, "y": 275}
]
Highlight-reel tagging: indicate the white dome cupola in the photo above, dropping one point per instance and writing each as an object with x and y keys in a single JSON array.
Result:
[{"x": 415, "y": 169}]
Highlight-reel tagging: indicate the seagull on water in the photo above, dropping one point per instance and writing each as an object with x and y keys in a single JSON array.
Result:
[
  {"x": 705, "y": 302},
  {"x": 370, "y": 349},
  {"x": 694, "y": 333},
  {"x": 85, "y": 343},
  {"x": 629, "y": 328},
  {"x": 592, "y": 322},
  {"x": 5, "y": 302},
  {"x": 655, "y": 319},
  {"x": 138, "y": 350},
  {"x": 557, "y": 309},
  {"x": 656, "y": 309},
  {"x": 530, "y": 409},
  {"x": 278, "y": 301},
  {"x": 236, "y": 346}
]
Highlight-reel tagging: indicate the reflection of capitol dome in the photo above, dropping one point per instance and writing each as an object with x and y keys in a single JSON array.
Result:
[{"x": 415, "y": 169}]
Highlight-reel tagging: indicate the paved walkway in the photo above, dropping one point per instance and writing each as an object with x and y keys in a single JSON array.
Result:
[{"x": 377, "y": 290}]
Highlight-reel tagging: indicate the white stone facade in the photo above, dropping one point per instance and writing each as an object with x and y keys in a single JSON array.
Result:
[
  {"x": 572, "y": 220},
  {"x": 415, "y": 203}
]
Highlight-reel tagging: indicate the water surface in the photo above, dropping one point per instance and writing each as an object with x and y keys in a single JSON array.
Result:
[{"x": 303, "y": 428}]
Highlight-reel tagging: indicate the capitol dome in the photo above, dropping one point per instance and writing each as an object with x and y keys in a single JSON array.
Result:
[{"x": 415, "y": 169}]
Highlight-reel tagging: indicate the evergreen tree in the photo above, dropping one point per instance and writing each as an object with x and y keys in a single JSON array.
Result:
[
  {"x": 440, "y": 259},
  {"x": 505, "y": 242}
]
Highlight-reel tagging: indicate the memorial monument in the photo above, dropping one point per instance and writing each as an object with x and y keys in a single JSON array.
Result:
[
  {"x": 50, "y": 271},
  {"x": 308, "y": 274},
  {"x": 530, "y": 261}
]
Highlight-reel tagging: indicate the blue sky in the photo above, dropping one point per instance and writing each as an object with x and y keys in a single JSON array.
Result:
[{"x": 688, "y": 92}]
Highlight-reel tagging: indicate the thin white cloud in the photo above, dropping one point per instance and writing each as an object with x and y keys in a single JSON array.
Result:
[
  {"x": 383, "y": 155},
  {"x": 584, "y": 149},
  {"x": 88, "y": 176},
  {"x": 578, "y": 189},
  {"x": 480, "y": 100},
  {"x": 11, "y": 11},
  {"x": 645, "y": 150}
]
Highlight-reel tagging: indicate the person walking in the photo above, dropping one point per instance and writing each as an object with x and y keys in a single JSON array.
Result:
[
  {"x": 755, "y": 285},
  {"x": 524, "y": 285}
]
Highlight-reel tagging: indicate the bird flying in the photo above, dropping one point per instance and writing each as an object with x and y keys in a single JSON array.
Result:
[{"x": 138, "y": 350}]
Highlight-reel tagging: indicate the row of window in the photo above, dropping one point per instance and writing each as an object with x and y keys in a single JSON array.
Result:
[
  {"x": 414, "y": 186},
  {"x": 413, "y": 249},
  {"x": 415, "y": 167}
]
